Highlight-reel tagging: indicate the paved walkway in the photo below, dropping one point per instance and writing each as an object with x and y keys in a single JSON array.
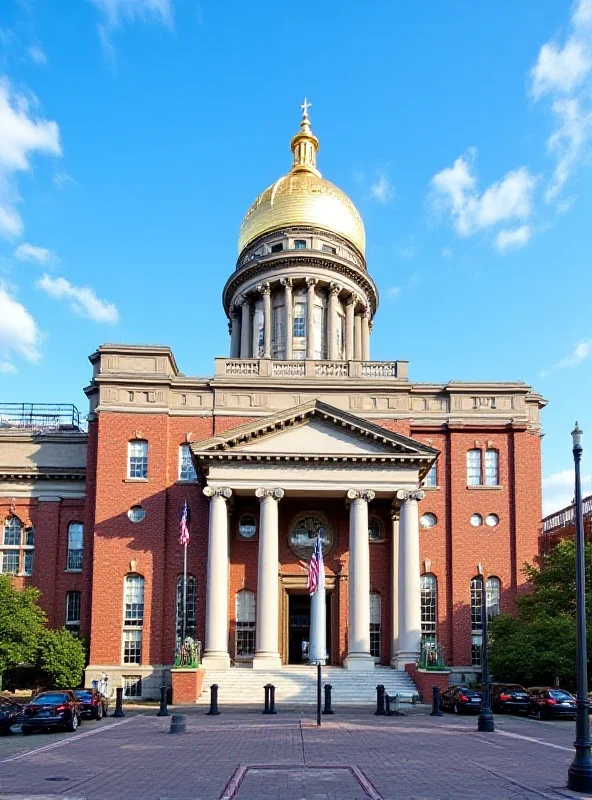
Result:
[{"x": 244, "y": 755}]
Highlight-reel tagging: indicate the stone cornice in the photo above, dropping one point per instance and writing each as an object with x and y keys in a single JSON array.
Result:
[{"x": 43, "y": 474}]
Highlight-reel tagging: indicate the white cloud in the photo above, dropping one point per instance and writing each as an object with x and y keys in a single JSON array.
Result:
[
  {"x": 22, "y": 134},
  {"x": 393, "y": 292},
  {"x": 382, "y": 190},
  {"x": 82, "y": 299},
  {"x": 28, "y": 252},
  {"x": 563, "y": 73},
  {"x": 516, "y": 237},
  {"x": 581, "y": 352},
  {"x": 37, "y": 55},
  {"x": 19, "y": 334},
  {"x": 116, "y": 12},
  {"x": 454, "y": 189},
  {"x": 558, "y": 490}
]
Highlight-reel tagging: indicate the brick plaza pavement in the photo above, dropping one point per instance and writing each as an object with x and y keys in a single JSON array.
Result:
[{"x": 244, "y": 755}]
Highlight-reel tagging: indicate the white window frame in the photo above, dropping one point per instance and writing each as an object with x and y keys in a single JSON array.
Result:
[
  {"x": 375, "y": 626},
  {"x": 137, "y": 459},
  {"x": 246, "y": 618},
  {"x": 133, "y": 601},
  {"x": 491, "y": 467},
  {"x": 74, "y": 557},
  {"x": 186, "y": 469},
  {"x": 429, "y": 606},
  {"x": 75, "y": 598},
  {"x": 474, "y": 467}
]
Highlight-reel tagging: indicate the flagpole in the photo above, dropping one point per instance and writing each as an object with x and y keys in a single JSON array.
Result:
[{"x": 184, "y": 628}]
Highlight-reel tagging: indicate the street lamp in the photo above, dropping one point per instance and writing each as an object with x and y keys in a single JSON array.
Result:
[
  {"x": 485, "y": 720},
  {"x": 579, "y": 776}
]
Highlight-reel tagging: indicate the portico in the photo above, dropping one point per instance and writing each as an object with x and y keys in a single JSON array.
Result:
[{"x": 307, "y": 456}]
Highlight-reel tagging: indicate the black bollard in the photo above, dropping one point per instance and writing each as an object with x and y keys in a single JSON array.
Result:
[
  {"x": 213, "y": 712},
  {"x": 380, "y": 710},
  {"x": 328, "y": 709},
  {"x": 272, "y": 699},
  {"x": 178, "y": 724},
  {"x": 163, "y": 711},
  {"x": 267, "y": 689},
  {"x": 118, "y": 703},
  {"x": 435, "y": 712}
]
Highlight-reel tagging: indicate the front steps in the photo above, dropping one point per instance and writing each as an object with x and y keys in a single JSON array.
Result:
[{"x": 297, "y": 685}]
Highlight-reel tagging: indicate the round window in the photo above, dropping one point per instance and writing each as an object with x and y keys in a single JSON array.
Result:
[
  {"x": 492, "y": 520},
  {"x": 374, "y": 529},
  {"x": 247, "y": 526},
  {"x": 428, "y": 520},
  {"x": 476, "y": 520},
  {"x": 136, "y": 513},
  {"x": 303, "y": 534}
]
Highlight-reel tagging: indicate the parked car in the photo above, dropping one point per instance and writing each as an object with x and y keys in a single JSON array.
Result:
[
  {"x": 460, "y": 700},
  {"x": 93, "y": 704},
  {"x": 9, "y": 712},
  {"x": 548, "y": 702},
  {"x": 509, "y": 697},
  {"x": 58, "y": 709}
]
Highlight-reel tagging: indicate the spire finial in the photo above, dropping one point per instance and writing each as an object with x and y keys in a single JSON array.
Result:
[
  {"x": 305, "y": 145},
  {"x": 305, "y": 106}
]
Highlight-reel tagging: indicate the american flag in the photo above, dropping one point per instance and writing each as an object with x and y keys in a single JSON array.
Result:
[
  {"x": 184, "y": 537},
  {"x": 315, "y": 568}
]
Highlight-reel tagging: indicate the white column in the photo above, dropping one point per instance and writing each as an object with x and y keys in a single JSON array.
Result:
[
  {"x": 409, "y": 588},
  {"x": 310, "y": 317},
  {"x": 267, "y": 654},
  {"x": 216, "y": 644},
  {"x": 394, "y": 604},
  {"x": 366, "y": 335},
  {"x": 334, "y": 289},
  {"x": 234, "y": 332},
  {"x": 350, "y": 309},
  {"x": 265, "y": 290},
  {"x": 358, "y": 337},
  {"x": 245, "y": 345},
  {"x": 358, "y": 634},
  {"x": 289, "y": 311}
]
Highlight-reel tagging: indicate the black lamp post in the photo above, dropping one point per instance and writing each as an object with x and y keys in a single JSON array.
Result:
[
  {"x": 485, "y": 720},
  {"x": 579, "y": 776}
]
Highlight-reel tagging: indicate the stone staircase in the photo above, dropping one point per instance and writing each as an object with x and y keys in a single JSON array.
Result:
[{"x": 296, "y": 685}]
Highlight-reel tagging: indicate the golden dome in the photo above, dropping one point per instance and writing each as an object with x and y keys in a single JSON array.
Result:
[{"x": 303, "y": 197}]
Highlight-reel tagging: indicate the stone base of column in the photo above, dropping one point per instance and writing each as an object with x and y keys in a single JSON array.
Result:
[
  {"x": 216, "y": 659},
  {"x": 264, "y": 661},
  {"x": 359, "y": 662},
  {"x": 405, "y": 657}
]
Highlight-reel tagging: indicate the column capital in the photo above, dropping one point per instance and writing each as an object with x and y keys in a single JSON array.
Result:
[
  {"x": 367, "y": 495},
  {"x": 244, "y": 300},
  {"x": 353, "y": 299},
  {"x": 287, "y": 282},
  {"x": 264, "y": 288},
  {"x": 311, "y": 282},
  {"x": 235, "y": 310},
  {"x": 404, "y": 495},
  {"x": 224, "y": 492},
  {"x": 261, "y": 493},
  {"x": 335, "y": 288},
  {"x": 367, "y": 313}
]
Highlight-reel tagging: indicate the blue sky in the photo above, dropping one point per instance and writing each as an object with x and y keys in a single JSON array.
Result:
[{"x": 134, "y": 134}]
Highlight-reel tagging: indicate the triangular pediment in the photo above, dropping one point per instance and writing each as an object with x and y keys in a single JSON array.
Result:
[{"x": 314, "y": 430}]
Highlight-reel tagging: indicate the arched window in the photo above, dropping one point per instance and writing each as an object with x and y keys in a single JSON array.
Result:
[
  {"x": 491, "y": 468},
  {"x": 186, "y": 468},
  {"x": 431, "y": 479},
  {"x": 375, "y": 617},
  {"x": 191, "y": 608},
  {"x": 75, "y": 538},
  {"x": 474, "y": 467},
  {"x": 133, "y": 619},
  {"x": 137, "y": 462},
  {"x": 429, "y": 605},
  {"x": 493, "y": 591},
  {"x": 13, "y": 529},
  {"x": 374, "y": 529},
  {"x": 245, "y": 623},
  {"x": 247, "y": 526},
  {"x": 476, "y": 620},
  {"x": 73, "y": 611},
  {"x": 17, "y": 547}
]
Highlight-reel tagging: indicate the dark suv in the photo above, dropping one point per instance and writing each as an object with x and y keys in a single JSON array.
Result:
[
  {"x": 509, "y": 697},
  {"x": 59, "y": 709}
]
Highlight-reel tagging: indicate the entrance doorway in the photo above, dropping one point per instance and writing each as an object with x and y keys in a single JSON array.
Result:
[{"x": 299, "y": 627}]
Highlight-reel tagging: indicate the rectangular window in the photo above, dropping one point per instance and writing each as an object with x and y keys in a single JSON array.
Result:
[
  {"x": 328, "y": 249},
  {"x": 75, "y": 537},
  {"x": 132, "y": 686},
  {"x": 474, "y": 467},
  {"x": 186, "y": 468},
  {"x": 10, "y": 561},
  {"x": 132, "y": 647},
  {"x": 134, "y": 601},
  {"x": 138, "y": 459},
  {"x": 245, "y": 623},
  {"x": 476, "y": 643},
  {"x": 491, "y": 468},
  {"x": 28, "y": 562},
  {"x": 299, "y": 321},
  {"x": 431, "y": 479},
  {"x": 300, "y": 244},
  {"x": 12, "y": 533},
  {"x": 73, "y": 608},
  {"x": 277, "y": 248},
  {"x": 375, "y": 625}
]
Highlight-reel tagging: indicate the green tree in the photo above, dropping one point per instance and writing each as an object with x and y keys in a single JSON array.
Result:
[
  {"x": 22, "y": 624},
  {"x": 538, "y": 644},
  {"x": 62, "y": 657}
]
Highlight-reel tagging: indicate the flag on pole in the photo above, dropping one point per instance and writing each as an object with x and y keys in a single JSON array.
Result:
[
  {"x": 315, "y": 568},
  {"x": 184, "y": 536}
]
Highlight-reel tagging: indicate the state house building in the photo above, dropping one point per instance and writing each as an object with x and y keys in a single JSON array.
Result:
[{"x": 420, "y": 490}]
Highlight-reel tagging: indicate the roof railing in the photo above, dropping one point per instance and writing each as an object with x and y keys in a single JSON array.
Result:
[
  {"x": 41, "y": 417},
  {"x": 566, "y": 516}
]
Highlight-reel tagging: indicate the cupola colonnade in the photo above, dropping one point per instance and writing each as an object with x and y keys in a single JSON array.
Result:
[{"x": 300, "y": 318}]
